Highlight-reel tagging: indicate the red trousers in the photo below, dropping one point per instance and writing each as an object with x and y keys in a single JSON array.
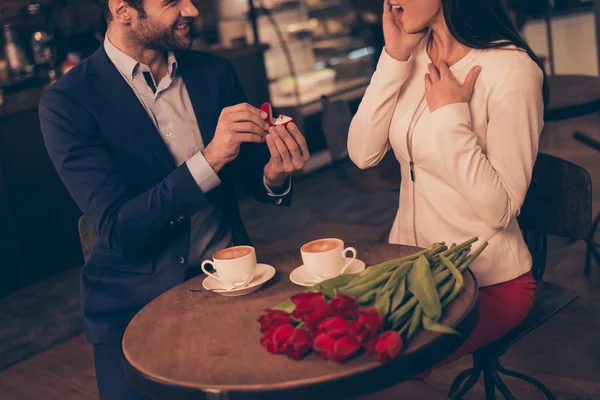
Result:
[{"x": 502, "y": 308}]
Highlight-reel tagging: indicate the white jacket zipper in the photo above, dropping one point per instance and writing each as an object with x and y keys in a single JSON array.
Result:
[{"x": 411, "y": 128}]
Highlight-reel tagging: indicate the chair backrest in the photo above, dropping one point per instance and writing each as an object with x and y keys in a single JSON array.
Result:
[
  {"x": 87, "y": 236},
  {"x": 335, "y": 122},
  {"x": 558, "y": 202}
]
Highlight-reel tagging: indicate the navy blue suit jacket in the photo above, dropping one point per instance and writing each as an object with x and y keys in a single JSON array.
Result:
[{"x": 116, "y": 167}]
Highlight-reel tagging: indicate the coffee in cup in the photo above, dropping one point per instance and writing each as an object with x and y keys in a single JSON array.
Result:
[
  {"x": 232, "y": 253},
  {"x": 326, "y": 258},
  {"x": 235, "y": 266}
]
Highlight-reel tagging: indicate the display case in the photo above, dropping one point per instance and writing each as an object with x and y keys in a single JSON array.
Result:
[{"x": 316, "y": 47}]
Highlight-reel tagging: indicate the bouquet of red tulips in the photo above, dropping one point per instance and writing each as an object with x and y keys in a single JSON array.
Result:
[{"x": 375, "y": 311}]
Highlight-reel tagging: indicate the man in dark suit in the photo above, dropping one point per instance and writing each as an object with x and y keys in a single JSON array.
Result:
[{"x": 149, "y": 138}]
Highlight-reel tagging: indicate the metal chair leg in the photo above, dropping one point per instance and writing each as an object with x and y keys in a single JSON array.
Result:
[
  {"x": 502, "y": 388},
  {"x": 491, "y": 369},
  {"x": 488, "y": 381},
  {"x": 592, "y": 247},
  {"x": 459, "y": 380},
  {"x": 467, "y": 386},
  {"x": 547, "y": 392}
]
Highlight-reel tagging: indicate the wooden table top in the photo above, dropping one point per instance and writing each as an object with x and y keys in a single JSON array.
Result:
[{"x": 186, "y": 344}]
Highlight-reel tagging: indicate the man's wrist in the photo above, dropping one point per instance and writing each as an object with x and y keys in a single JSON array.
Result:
[
  {"x": 277, "y": 185},
  {"x": 216, "y": 163},
  {"x": 278, "y": 194}
]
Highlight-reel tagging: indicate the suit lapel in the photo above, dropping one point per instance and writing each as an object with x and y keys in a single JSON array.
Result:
[{"x": 117, "y": 92}]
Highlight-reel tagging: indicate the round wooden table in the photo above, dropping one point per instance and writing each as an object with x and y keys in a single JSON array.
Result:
[{"x": 186, "y": 345}]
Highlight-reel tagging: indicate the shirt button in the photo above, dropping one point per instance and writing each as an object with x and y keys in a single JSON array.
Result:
[
  {"x": 181, "y": 260},
  {"x": 168, "y": 134}
]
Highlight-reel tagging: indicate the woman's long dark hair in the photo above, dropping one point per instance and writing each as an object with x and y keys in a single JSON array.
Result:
[{"x": 485, "y": 24}]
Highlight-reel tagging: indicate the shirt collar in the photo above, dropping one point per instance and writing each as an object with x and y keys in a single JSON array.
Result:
[{"x": 127, "y": 65}]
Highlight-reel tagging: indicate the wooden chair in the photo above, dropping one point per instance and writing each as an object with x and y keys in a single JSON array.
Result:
[
  {"x": 593, "y": 247},
  {"x": 335, "y": 123},
  {"x": 559, "y": 203},
  {"x": 571, "y": 96},
  {"x": 87, "y": 236}
]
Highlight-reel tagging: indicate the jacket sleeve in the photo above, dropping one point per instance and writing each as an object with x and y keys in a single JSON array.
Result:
[
  {"x": 253, "y": 157},
  {"x": 368, "y": 138},
  {"x": 494, "y": 180},
  {"x": 125, "y": 222}
]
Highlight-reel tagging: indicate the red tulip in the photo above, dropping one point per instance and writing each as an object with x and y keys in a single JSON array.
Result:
[
  {"x": 273, "y": 319},
  {"x": 335, "y": 327},
  {"x": 367, "y": 325},
  {"x": 274, "y": 339},
  {"x": 312, "y": 308},
  {"x": 388, "y": 346},
  {"x": 339, "y": 350},
  {"x": 285, "y": 339},
  {"x": 343, "y": 305},
  {"x": 298, "y": 344}
]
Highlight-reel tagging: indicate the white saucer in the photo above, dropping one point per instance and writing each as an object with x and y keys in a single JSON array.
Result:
[
  {"x": 300, "y": 275},
  {"x": 264, "y": 273}
]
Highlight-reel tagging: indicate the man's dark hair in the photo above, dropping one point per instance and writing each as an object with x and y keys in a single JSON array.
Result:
[{"x": 138, "y": 5}]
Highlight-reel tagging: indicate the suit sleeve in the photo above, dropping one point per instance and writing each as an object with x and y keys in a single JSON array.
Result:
[
  {"x": 254, "y": 156},
  {"x": 125, "y": 222}
]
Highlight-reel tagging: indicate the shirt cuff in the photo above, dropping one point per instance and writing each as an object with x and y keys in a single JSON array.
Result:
[
  {"x": 206, "y": 178},
  {"x": 278, "y": 196}
]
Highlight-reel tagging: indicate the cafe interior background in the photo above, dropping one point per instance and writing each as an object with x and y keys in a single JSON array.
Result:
[{"x": 291, "y": 53}]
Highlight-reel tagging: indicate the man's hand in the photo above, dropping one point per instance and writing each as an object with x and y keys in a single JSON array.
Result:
[
  {"x": 289, "y": 153},
  {"x": 237, "y": 124}
]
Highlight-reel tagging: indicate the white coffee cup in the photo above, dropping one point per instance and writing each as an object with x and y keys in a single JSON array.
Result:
[
  {"x": 326, "y": 258},
  {"x": 235, "y": 266}
]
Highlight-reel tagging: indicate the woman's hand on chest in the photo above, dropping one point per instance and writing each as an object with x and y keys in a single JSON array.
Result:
[{"x": 442, "y": 88}]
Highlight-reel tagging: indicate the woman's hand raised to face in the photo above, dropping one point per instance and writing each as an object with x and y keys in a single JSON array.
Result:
[
  {"x": 398, "y": 43},
  {"x": 442, "y": 88}
]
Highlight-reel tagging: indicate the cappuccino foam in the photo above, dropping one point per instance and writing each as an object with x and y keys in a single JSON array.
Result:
[
  {"x": 320, "y": 246},
  {"x": 232, "y": 253}
]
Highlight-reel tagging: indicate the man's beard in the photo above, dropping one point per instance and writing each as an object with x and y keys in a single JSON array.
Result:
[{"x": 153, "y": 36}]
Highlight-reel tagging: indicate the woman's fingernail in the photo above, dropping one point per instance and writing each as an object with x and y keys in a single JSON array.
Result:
[{"x": 478, "y": 69}]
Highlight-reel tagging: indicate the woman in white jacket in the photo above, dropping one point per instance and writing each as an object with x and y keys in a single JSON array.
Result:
[{"x": 458, "y": 96}]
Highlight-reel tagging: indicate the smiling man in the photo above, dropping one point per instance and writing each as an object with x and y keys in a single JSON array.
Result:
[{"x": 150, "y": 138}]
